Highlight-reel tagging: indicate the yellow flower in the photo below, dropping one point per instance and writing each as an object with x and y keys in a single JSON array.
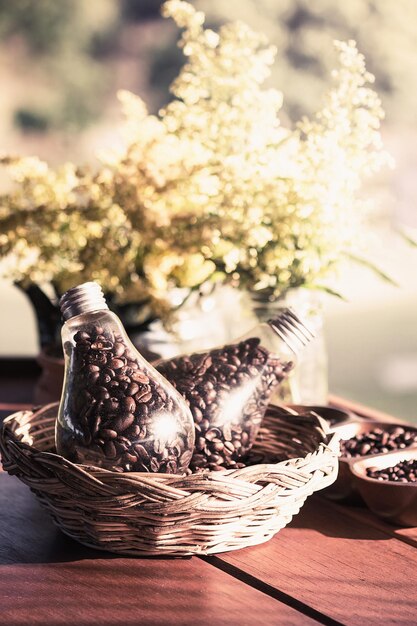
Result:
[
  {"x": 213, "y": 185},
  {"x": 193, "y": 270}
]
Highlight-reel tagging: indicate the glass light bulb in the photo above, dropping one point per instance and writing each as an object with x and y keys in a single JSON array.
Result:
[{"x": 116, "y": 410}]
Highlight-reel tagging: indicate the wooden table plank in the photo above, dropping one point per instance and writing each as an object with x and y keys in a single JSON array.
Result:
[
  {"x": 335, "y": 563},
  {"x": 47, "y": 579},
  {"x": 366, "y": 517},
  {"x": 350, "y": 571}
]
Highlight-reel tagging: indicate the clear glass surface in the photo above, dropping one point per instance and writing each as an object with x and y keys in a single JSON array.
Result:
[
  {"x": 308, "y": 382},
  {"x": 116, "y": 410},
  {"x": 228, "y": 390}
]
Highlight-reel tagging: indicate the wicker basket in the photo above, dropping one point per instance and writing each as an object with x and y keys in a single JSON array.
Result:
[{"x": 156, "y": 514}]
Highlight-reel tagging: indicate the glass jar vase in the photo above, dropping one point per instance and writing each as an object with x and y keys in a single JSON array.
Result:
[{"x": 308, "y": 383}]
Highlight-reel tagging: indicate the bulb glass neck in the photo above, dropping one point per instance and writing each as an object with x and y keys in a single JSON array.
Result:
[{"x": 84, "y": 298}]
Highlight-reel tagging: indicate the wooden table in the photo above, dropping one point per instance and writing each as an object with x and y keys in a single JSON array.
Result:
[{"x": 332, "y": 565}]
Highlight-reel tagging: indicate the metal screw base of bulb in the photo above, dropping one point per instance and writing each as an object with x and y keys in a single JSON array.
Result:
[{"x": 84, "y": 298}]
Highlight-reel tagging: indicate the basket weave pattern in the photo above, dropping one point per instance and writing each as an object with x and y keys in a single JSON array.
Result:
[{"x": 155, "y": 514}]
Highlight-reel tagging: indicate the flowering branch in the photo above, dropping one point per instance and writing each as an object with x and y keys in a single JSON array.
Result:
[{"x": 212, "y": 188}]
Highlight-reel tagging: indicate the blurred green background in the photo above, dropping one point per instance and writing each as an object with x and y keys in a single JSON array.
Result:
[{"x": 61, "y": 64}]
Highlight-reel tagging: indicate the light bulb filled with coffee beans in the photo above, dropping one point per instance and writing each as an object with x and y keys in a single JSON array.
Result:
[
  {"x": 228, "y": 388},
  {"x": 116, "y": 410}
]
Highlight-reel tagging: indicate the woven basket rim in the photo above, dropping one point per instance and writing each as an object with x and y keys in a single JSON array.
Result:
[
  {"x": 149, "y": 514},
  {"x": 332, "y": 444}
]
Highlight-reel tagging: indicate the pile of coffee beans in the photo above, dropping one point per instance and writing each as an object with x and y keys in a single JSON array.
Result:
[
  {"x": 228, "y": 390},
  {"x": 403, "y": 472},
  {"x": 377, "y": 441},
  {"x": 113, "y": 406}
]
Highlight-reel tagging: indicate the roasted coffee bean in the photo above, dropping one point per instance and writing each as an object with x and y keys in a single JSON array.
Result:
[
  {"x": 141, "y": 452},
  {"x": 120, "y": 447},
  {"x": 97, "y": 357},
  {"x": 198, "y": 460},
  {"x": 104, "y": 378},
  {"x": 102, "y": 345},
  {"x": 116, "y": 364},
  {"x": 93, "y": 377},
  {"x": 118, "y": 349},
  {"x": 142, "y": 409},
  {"x": 113, "y": 403},
  {"x": 128, "y": 404},
  {"x": 217, "y": 445},
  {"x": 205, "y": 424},
  {"x": 123, "y": 422},
  {"x": 378, "y": 441},
  {"x": 186, "y": 384},
  {"x": 216, "y": 458},
  {"x": 108, "y": 433},
  {"x": 213, "y": 467},
  {"x": 186, "y": 458},
  {"x": 210, "y": 396},
  {"x": 164, "y": 456},
  {"x": 143, "y": 391},
  {"x": 96, "y": 424},
  {"x": 245, "y": 438},
  {"x": 110, "y": 449},
  {"x": 229, "y": 447},
  {"x": 129, "y": 457},
  {"x": 133, "y": 431},
  {"x": 212, "y": 433},
  {"x": 132, "y": 389},
  {"x": 102, "y": 393},
  {"x": 155, "y": 465},
  {"x": 197, "y": 414},
  {"x": 139, "y": 377},
  {"x": 171, "y": 467}
]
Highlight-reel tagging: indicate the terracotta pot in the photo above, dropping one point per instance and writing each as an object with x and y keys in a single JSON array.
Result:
[{"x": 49, "y": 386}]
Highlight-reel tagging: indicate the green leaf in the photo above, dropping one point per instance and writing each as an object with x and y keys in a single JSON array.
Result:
[
  {"x": 412, "y": 242},
  {"x": 329, "y": 290},
  {"x": 371, "y": 266}
]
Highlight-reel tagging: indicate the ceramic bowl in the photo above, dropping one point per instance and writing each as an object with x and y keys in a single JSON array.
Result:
[
  {"x": 335, "y": 417},
  {"x": 394, "y": 502},
  {"x": 344, "y": 489}
]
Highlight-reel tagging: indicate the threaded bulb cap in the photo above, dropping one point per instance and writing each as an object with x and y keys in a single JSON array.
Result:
[{"x": 84, "y": 298}]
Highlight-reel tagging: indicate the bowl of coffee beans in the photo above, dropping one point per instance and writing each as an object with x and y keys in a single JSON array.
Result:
[
  {"x": 388, "y": 485},
  {"x": 365, "y": 439}
]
